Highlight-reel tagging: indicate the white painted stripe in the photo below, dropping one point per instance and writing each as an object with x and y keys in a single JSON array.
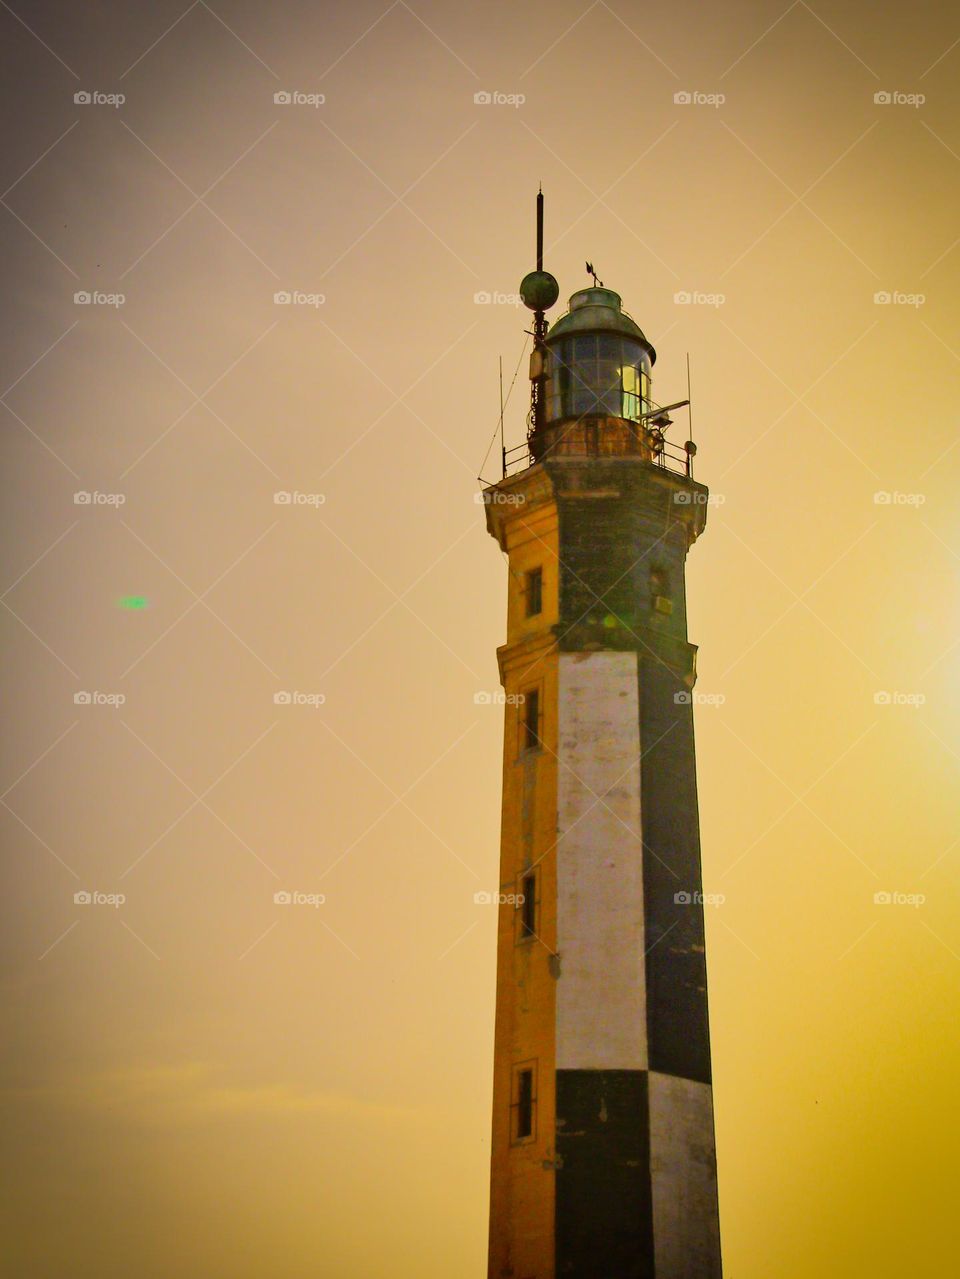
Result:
[
  {"x": 601, "y": 994},
  {"x": 683, "y": 1169}
]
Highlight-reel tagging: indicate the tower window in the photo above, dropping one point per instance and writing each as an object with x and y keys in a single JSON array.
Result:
[
  {"x": 527, "y": 906},
  {"x": 534, "y": 592},
  {"x": 524, "y": 1101},
  {"x": 530, "y": 720}
]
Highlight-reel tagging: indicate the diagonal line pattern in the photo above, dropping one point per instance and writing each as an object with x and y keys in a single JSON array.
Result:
[
  {"x": 200, "y": 599},
  {"x": 13, "y": 13},
  {"x": 199, "y": 800},
  {"x": 199, "y": 199},
  {"x": 397, "y": 801}
]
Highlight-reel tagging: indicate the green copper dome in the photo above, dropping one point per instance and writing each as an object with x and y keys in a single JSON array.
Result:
[{"x": 598, "y": 310}]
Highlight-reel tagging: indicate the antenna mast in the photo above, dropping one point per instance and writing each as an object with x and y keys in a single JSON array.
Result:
[
  {"x": 539, "y": 291},
  {"x": 503, "y": 448},
  {"x": 540, "y": 229},
  {"x": 689, "y": 399},
  {"x": 539, "y": 333},
  {"x": 689, "y": 447}
]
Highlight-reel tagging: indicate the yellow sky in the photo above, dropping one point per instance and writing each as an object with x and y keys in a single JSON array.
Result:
[{"x": 200, "y": 1081}]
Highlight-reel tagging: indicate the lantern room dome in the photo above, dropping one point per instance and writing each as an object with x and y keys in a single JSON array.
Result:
[
  {"x": 595, "y": 363},
  {"x": 599, "y": 310}
]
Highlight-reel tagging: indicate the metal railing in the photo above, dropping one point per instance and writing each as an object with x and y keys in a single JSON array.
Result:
[{"x": 662, "y": 452}]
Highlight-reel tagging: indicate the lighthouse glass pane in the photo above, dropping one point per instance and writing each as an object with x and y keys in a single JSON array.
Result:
[
  {"x": 630, "y": 397},
  {"x": 560, "y": 381},
  {"x": 597, "y": 374},
  {"x": 583, "y": 373},
  {"x": 607, "y": 384}
]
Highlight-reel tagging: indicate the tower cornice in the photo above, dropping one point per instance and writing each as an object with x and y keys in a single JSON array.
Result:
[
  {"x": 680, "y": 499},
  {"x": 525, "y": 655}
]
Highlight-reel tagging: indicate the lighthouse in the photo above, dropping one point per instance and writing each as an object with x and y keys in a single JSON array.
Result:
[{"x": 603, "y": 1162}]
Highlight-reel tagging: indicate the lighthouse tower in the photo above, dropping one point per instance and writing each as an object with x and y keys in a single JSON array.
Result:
[{"x": 603, "y": 1158}]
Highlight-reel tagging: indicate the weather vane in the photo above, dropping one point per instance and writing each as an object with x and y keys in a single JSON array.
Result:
[{"x": 590, "y": 271}]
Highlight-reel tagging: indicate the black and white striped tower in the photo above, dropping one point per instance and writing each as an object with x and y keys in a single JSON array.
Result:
[{"x": 604, "y": 1161}]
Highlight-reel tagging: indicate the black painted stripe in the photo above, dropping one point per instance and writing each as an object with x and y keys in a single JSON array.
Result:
[
  {"x": 604, "y": 1222},
  {"x": 678, "y": 1034}
]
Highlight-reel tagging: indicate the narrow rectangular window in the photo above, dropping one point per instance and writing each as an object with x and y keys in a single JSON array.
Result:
[
  {"x": 530, "y": 736},
  {"x": 528, "y": 906},
  {"x": 524, "y": 1102},
  {"x": 534, "y": 592}
]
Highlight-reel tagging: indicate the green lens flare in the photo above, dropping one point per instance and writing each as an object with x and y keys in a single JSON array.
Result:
[{"x": 133, "y": 601}]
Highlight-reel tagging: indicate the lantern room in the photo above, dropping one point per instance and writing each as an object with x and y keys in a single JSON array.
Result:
[{"x": 596, "y": 362}]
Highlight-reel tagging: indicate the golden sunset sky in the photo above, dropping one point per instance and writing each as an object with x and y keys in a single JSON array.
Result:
[{"x": 200, "y": 1082}]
